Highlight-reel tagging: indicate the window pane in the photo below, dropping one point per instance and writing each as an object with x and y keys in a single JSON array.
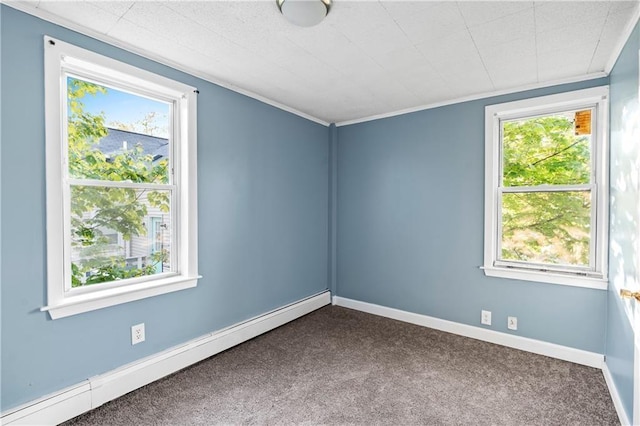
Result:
[
  {"x": 547, "y": 227},
  {"x": 119, "y": 233},
  {"x": 546, "y": 150},
  {"x": 116, "y": 136}
]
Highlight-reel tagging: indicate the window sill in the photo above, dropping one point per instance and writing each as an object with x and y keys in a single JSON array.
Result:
[
  {"x": 77, "y": 304},
  {"x": 546, "y": 277}
]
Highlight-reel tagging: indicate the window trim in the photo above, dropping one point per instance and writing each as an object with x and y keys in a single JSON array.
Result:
[
  {"x": 60, "y": 58},
  {"x": 596, "y": 96}
]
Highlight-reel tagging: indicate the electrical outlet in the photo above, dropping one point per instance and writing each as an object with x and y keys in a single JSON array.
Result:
[
  {"x": 485, "y": 318},
  {"x": 512, "y": 323},
  {"x": 137, "y": 334}
]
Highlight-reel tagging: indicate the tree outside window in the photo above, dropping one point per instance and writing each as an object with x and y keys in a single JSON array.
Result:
[
  {"x": 98, "y": 212},
  {"x": 549, "y": 220}
]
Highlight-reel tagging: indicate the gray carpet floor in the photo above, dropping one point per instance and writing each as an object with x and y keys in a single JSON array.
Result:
[{"x": 339, "y": 366}]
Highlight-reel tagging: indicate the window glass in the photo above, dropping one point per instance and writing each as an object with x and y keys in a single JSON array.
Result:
[
  {"x": 547, "y": 227},
  {"x": 545, "y": 150},
  {"x": 140, "y": 217},
  {"x": 115, "y": 135},
  {"x": 119, "y": 137},
  {"x": 546, "y": 159}
]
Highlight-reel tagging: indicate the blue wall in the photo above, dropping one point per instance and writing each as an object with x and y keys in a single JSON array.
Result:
[
  {"x": 624, "y": 257},
  {"x": 263, "y": 202},
  {"x": 410, "y": 219}
]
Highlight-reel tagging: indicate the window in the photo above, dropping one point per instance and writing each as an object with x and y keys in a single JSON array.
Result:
[
  {"x": 546, "y": 190},
  {"x": 121, "y": 182}
]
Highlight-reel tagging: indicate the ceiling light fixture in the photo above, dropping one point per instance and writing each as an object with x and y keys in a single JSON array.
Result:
[{"x": 304, "y": 13}]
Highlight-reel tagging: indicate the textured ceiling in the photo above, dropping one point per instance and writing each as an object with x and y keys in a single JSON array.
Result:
[{"x": 366, "y": 58}]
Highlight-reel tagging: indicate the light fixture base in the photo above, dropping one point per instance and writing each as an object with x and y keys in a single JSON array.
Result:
[{"x": 304, "y": 13}]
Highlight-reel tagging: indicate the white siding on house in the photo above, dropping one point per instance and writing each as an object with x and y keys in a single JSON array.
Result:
[{"x": 137, "y": 250}]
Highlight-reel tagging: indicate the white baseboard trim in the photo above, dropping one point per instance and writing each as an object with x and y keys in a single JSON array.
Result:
[
  {"x": 95, "y": 391},
  {"x": 552, "y": 350},
  {"x": 615, "y": 396}
]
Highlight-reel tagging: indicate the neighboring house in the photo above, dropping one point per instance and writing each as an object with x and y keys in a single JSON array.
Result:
[
  {"x": 158, "y": 236},
  {"x": 118, "y": 140}
]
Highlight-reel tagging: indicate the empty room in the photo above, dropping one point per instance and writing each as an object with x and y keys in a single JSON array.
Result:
[{"x": 320, "y": 212}]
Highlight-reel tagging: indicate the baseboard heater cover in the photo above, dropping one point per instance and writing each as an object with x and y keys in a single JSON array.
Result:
[{"x": 95, "y": 391}]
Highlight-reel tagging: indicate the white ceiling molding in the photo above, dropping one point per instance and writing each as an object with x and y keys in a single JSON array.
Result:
[{"x": 592, "y": 76}]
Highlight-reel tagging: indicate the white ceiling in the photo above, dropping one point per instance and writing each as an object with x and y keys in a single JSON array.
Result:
[{"x": 366, "y": 58}]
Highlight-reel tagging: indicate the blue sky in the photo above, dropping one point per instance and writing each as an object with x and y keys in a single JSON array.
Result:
[{"x": 129, "y": 109}]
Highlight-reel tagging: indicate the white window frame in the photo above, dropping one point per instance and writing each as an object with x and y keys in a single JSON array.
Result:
[
  {"x": 595, "y": 278},
  {"x": 60, "y": 59}
]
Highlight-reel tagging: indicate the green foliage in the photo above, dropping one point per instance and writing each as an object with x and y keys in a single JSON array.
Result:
[
  {"x": 544, "y": 150},
  {"x": 116, "y": 269},
  {"x": 97, "y": 210},
  {"x": 546, "y": 227}
]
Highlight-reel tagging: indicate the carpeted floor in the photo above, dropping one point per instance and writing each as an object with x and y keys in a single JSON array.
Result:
[{"x": 339, "y": 366}]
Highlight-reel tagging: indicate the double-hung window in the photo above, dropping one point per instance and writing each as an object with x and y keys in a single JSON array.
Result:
[
  {"x": 121, "y": 182},
  {"x": 546, "y": 189}
]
